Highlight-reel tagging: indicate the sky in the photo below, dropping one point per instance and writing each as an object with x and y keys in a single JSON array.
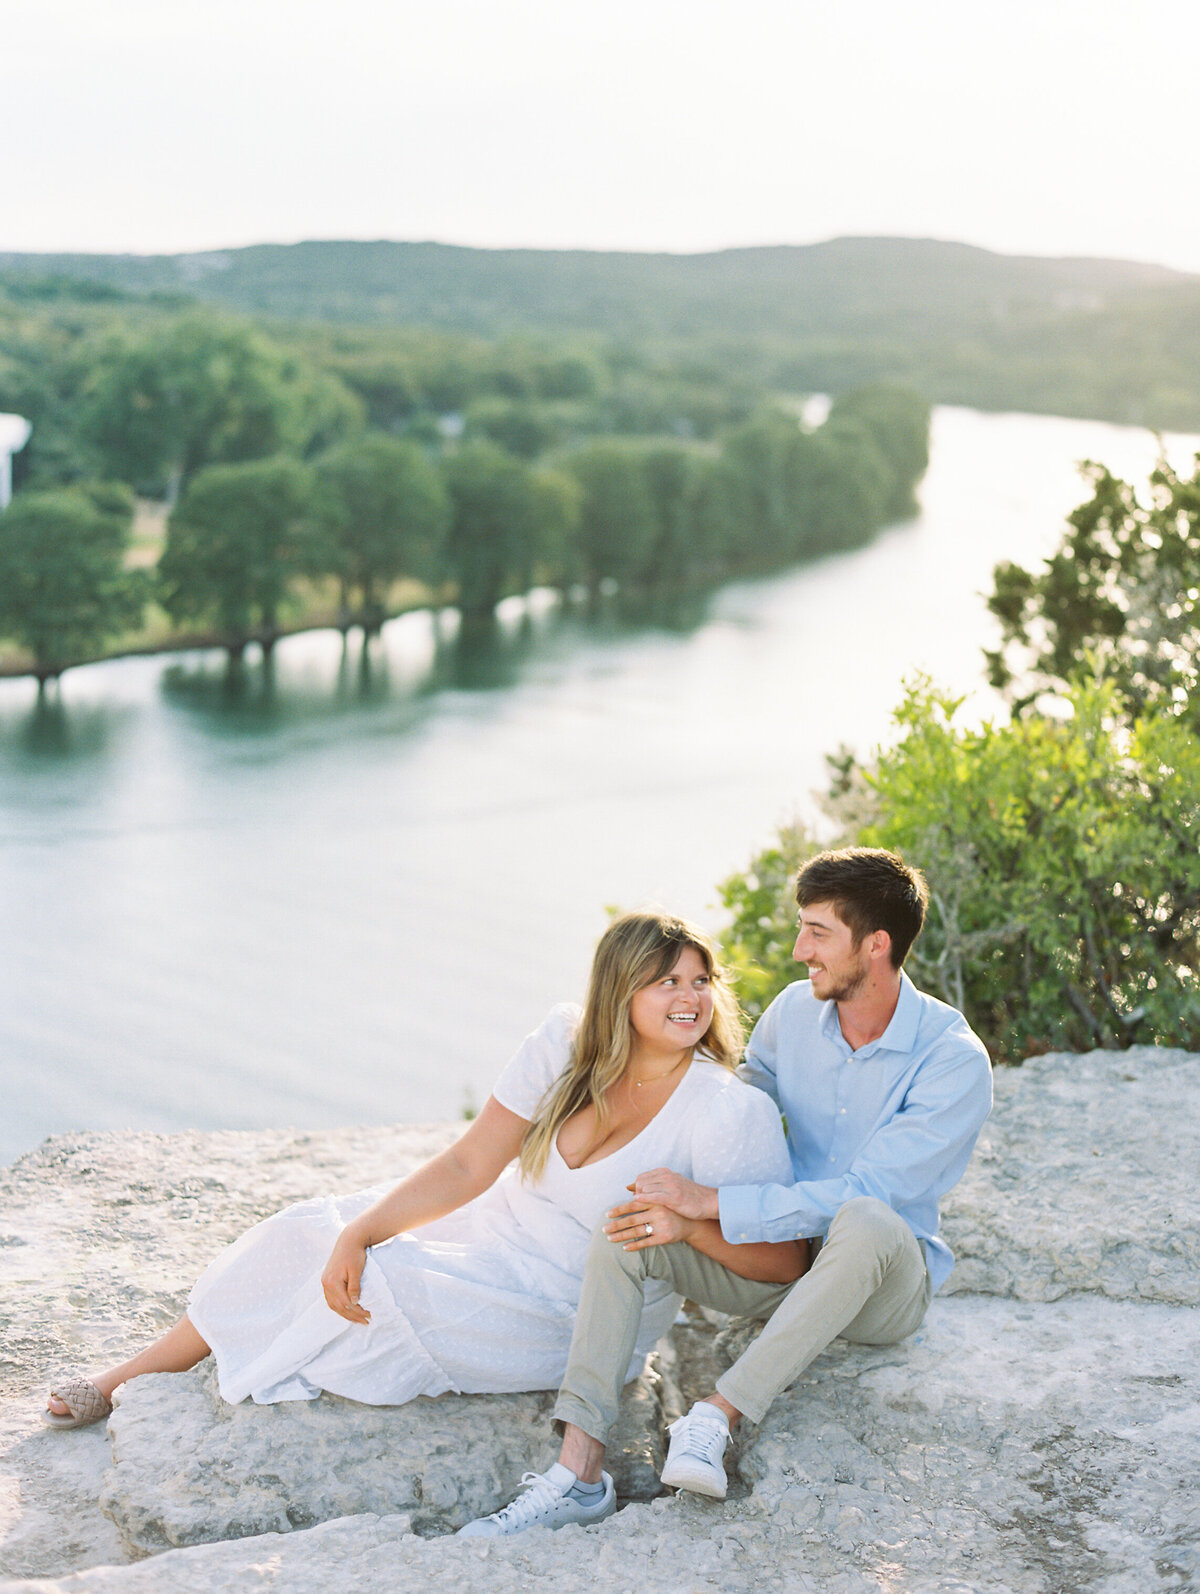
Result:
[{"x": 163, "y": 126}]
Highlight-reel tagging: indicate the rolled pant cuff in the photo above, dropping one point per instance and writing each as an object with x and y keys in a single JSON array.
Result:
[
  {"x": 742, "y": 1400},
  {"x": 579, "y": 1415}
]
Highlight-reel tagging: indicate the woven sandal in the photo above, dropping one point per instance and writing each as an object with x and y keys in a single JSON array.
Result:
[{"x": 84, "y": 1402}]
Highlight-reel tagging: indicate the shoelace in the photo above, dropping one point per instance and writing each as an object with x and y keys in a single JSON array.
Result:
[
  {"x": 702, "y": 1440},
  {"x": 540, "y": 1494}
]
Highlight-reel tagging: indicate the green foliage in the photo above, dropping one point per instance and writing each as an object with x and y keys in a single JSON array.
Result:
[
  {"x": 381, "y": 512},
  {"x": 234, "y": 543},
  {"x": 159, "y": 392},
  {"x": 63, "y": 587},
  {"x": 898, "y": 423},
  {"x": 757, "y": 945},
  {"x": 764, "y": 508},
  {"x": 507, "y": 521},
  {"x": 676, "y": 553},
  {"x": 1110, "y": 339},
  {"x": 1064, "y": 862},
  {"x": 206, "y": 392},
  {"x": 1063, "y": 859},
  {"x": 1121, "y": 595},
  {"x": 616, "y": 518},
  {"x": 523, "y": 428}
]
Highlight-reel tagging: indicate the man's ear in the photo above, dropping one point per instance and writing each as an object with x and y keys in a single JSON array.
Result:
[{"x": 880, "y": 944}]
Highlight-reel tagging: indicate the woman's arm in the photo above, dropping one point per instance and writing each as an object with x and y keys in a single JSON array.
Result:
[
  {"x": 685, "y": 1210},
  {"x": 767, "y": 1262},
  {"x": 441, "y": 1185}
]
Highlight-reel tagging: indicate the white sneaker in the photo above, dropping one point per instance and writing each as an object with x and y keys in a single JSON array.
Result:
[
  {"x": 697, "y": 1444},
  {"x": 545, "y": 1503}
]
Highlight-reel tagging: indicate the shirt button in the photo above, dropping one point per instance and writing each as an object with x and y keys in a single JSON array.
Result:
[
  {"x": 843, "y": 1109},
  {"x": 833, "y": 1159}
]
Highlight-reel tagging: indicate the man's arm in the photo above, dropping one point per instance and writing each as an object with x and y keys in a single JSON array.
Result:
[
  {"x": 921, "y": 1151},
  {"x": 677, "y": 1208}
]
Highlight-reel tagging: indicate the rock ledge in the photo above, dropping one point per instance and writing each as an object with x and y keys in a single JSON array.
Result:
[{"x": 1037, "y": 1435}]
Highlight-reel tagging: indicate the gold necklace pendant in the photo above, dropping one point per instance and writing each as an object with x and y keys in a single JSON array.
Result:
[{"x": 653, "y": 1079}]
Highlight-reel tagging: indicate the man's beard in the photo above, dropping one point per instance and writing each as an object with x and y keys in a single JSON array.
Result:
[{"x": 850, "y": 984}]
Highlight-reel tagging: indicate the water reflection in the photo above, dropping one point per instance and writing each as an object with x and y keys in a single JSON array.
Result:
[
  {"x": 52, "y": 730},
  {"x": 412, "y": 659}
]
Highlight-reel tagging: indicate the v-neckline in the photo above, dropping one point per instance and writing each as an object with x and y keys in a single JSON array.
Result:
[{"x": 650, "y": 1122}]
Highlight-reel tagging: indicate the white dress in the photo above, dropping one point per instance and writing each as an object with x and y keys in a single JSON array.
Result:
[{"x": 481, "y": 1301}]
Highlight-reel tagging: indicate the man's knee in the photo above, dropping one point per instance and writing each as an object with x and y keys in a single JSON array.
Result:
[{"x": 869, "y": 1222}]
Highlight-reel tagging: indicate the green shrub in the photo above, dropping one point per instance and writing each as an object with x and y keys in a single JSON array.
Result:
[{"x": 1063, "y": 859}]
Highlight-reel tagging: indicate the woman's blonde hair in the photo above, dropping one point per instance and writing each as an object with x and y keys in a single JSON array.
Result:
[{"x": 635, "y": 950}]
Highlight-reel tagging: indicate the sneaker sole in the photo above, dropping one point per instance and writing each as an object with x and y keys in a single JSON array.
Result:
[{"x": 698, "y": 1482}]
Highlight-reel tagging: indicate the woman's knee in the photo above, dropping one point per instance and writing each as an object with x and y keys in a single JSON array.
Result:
[{"x": 606, "y": 1256}]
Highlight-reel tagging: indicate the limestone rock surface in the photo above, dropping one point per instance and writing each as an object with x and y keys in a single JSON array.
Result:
[
  {"x": 190, "y": 1469},
  {"x": 1084, "y": 1180},
  {"x": 1038, "y": 1435}
]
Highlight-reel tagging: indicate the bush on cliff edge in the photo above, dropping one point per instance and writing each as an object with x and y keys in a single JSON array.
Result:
[{"x": 1063, "y": 859}]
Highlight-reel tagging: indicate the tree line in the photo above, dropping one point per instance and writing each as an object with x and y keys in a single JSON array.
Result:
[{"x": 287, "y": 502}]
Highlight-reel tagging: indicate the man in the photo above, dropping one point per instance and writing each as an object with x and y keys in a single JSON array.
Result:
[{"x": 884, "y": 1091}]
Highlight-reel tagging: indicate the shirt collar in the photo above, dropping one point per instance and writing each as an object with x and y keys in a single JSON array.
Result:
[{"x": 899, "y": 1036}]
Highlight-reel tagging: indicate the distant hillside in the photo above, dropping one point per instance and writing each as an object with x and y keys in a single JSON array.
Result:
[
  {"x": 858, "y": 285},
  {"x": 1113, "y": 339}
]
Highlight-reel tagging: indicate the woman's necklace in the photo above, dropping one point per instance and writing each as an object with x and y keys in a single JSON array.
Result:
[{"x": 653, "y": 1079}]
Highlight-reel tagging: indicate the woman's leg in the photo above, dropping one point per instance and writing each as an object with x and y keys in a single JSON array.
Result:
[{"x": 178, "y": 1349}]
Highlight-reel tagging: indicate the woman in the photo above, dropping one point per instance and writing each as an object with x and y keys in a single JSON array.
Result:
[{"x": 466, "y": 1276}]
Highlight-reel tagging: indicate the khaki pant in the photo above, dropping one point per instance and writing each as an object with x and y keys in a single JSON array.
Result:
[{"x": 868, "y": 1284}]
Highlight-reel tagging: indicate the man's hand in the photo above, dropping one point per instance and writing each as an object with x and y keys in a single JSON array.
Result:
[{"x": 684, "y": 1196}]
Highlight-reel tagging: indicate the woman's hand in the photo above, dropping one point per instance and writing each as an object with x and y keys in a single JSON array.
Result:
[
  {"x": 342, "y": 1278},
  {"x": 629, "y": 1223}
]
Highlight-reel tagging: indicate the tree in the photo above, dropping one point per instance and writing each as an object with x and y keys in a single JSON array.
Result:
[
  {"x": 554, "y": 498},
  {"x": 521, "y": 427},
  {"x": 676, "y": 554},
  {"x": 1120, "y": 595},
  {"x": 63, "y": 587},
  {"x": 235, "y": 542},
  {"x": 616, "y": 513},
  {"x": 382, "y": 512},
  {"x": 768, "y": 509},
  {"x": 508, "y": 520},
  {"x": 206, "y": 391},
  {"x": 843, "y": 482},
  {"x": 898, "y": 421}
]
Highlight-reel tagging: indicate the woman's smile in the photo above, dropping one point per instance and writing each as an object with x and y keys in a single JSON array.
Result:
[{"x": 675, "y": 1011}]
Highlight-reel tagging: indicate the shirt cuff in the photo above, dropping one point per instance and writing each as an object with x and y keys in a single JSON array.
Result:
[{"x": 741, "y": 1220}]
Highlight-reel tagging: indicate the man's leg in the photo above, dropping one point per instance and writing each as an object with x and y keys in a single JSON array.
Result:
[
  {"x": 868, "y": 1284},
  {"x": 610, "y": 1311},
  {"x": 576, "y": 1489}
]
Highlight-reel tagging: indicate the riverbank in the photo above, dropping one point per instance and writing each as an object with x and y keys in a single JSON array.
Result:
[{"x": 1036, "y": 1435}]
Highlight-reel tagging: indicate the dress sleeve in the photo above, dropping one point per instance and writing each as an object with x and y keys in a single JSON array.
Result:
[
  {"x": 538, "y": 1061},
  {"x": 738, "y": 1139}
]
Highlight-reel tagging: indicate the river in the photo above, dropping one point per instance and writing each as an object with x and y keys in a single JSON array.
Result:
[{"x": 344, "y": 901}]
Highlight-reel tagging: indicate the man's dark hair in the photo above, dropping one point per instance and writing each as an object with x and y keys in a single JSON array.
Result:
[{"x": 869, "y": 889}]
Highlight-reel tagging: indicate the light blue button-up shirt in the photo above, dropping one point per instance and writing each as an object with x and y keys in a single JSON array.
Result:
[{"x": 896, "y": 1119}]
